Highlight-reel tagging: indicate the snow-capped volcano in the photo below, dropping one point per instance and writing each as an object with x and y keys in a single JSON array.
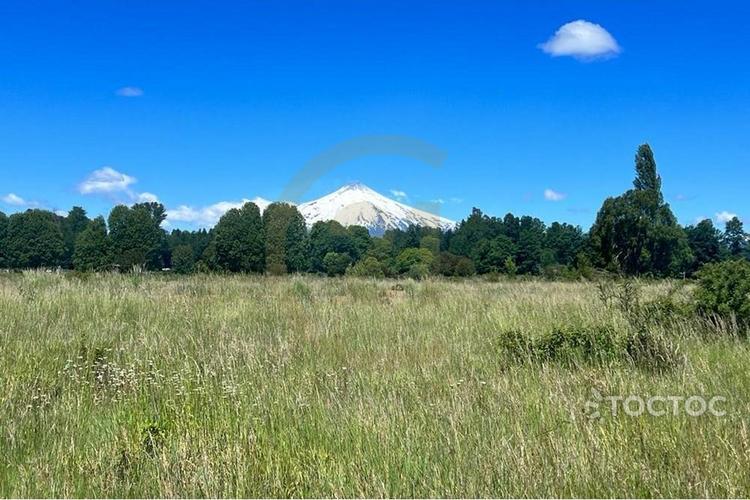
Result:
[{"x": 357, "y": 204}]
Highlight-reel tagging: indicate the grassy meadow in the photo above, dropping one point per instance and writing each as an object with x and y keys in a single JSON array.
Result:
[{"x": 141, "y": 386}]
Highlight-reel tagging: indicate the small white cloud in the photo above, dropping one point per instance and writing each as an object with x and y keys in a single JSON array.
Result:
[
  {"x": 724, "y": 216},
  {"x": 14, "y": 199},
  {"x": 61, "y": 213},
  {"x": 438, "y": 201},
  {"x": 203, "y": 216},
  {"x": 17, "y": 201},
  {"x": 552, "y": 195},
  {"x": 456, "y": 200},
  {"x": 582, "y": 40},
  {"x": 147, "y": 198},
  {"x": 106, "y": 180},
  {"x": 398, "y": 194},
  {"x": 129, "y": 92}
]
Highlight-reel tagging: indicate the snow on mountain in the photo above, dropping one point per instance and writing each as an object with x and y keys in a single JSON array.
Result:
[{"x": 357, "y": 204}]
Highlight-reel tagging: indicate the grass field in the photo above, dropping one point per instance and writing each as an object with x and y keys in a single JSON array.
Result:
[{"x": 241, "y": 386}]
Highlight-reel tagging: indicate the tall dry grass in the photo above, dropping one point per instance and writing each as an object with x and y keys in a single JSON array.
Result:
[{"x": 239, "y": 386}]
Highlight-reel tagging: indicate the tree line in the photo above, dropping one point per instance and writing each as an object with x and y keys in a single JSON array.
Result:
[{"x": 634, "y": 234}]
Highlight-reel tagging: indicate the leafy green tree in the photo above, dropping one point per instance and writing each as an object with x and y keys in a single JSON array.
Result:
[
  {"x": 410, "y": 257},
  {"x": 530, "y": 245},
  {"x": 705, "y": 243},
  {"x": 335, "y": 264},
  {"x": 490, "y": 255},
  {"x": 239, "y": 240},
  {"x": 93, "y": 249},
  {"x": 277, "y": 218},
  {"x": 565, "y": 241},
  {"x": 361, "y": 239},
  {"x": 297, "y": 245},
  {"x": 73, "y": 225},
  {"x": 368, "y": 267},
  {"x": 3, "y": 243},
  {"x": 198, "y": 241},
  {"x": 431, "y": 243},
  {"x": 136, "y": 235},
  {"x": 636, "y": 233},
  {"x": 475, "y": 228},
  {"x": 34, "y": 240},
  {"x": 645, "y": 168},
  {"x": 735, "y": 237},
  {"x": 329, "y": 237},
  {"x": 183, "y": 259}
]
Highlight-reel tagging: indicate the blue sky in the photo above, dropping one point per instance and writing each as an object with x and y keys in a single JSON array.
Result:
[{"x": 199, "y": 103}]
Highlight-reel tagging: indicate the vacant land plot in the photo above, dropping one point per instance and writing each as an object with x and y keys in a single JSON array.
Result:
[{"x": 242, "y": 386}]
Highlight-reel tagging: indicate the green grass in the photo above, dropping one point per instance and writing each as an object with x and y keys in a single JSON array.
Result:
[{"x": 239, "y": 386}]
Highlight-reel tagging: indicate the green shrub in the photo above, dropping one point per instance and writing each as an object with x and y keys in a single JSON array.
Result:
[
  {"x": 336, "y": 263},
  {"x": 183, "y": 260},
  {"x": 369, "y": 267},
  {"x": 724, "y": 290},
  {"x": 564, "y": 344}
]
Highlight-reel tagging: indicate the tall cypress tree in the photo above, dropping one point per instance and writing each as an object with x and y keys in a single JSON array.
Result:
[{"x": 645, "y": 167}]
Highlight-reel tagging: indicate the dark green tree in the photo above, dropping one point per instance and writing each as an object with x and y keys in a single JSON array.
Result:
[
  {"x": 705, "y": 243},
  {"x": 93, "y": 249},
  {"x": 297, "y": 245},
  {"x": 645, "y": 168},
  {"x": 530, "y": 245},
  {"x": 361, "y": 238},
  {"x": 73, "y": 225},
  {"x": 336, "y": 264},
  {"x": 3, "y": 243},
  {"x": 183, "y": 259},
  {"x": 735, "y": 238},
  {"x": 565, "y": 241},
  {"x": 34, "y": 240},
  {"x": 240, "y": 241},
  {"x": 277, "y": 219},
  {"x": 636, "y": 233},
  {"x": 327, "y": 237},
  {"x": 136, "y": 235}
]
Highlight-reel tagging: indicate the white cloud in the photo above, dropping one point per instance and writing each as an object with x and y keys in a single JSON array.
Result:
[
  {"x": 438, "y": 201},
  {"x": 147, "y": 198},
  {"x": 582, "y": 40},
  {"x": 203, "y": 216},
  {"x": 106, "y": 180},
  {"x": 14, "y": 199},
  {"x": 724, "y": 216},
  {"x": 552, "y": 195},
  {"x": 398, "y": 194},
  {"x": 17, "y": 201},
  {"x": 61, "y": 213},
  {"x": 129, "y": 92}
]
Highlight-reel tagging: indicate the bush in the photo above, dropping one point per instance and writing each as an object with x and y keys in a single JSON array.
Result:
[
  {"x": 183, "y": 260},
  {"x": 369, "y": 267},
  {"x": 724, "y": 290},
  {"x": 336, "y": 263},
  {"x": 418, "y": 271},
  {"x": 566, "y": 344},
  {"x": 596, "y": 344}
]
